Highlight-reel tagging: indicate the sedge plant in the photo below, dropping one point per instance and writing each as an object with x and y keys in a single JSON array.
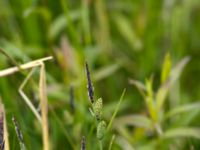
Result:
[{"x": 96, "y": 110}]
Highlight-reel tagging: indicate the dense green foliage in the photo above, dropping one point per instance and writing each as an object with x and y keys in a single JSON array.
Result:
[{"x": 126, "y": 43}]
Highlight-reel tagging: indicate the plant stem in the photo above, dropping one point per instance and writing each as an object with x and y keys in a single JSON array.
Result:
[
  {"x": 100, "y": 144},
  {"x": 116, "y": 110},
  {"x": 111, "y": 142}
]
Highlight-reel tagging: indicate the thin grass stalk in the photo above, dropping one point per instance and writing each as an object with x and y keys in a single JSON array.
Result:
[
  {"x": 86, "y": 20},
  {"x": 116, "y": 110},
  {"x": 111, "y": 142},
  {"x": 71, "y": 28},
  {"x": 65, "y": 132}
]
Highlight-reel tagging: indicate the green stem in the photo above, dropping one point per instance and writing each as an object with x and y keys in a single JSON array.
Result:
[
  {"x": 111, "y": 142},
  {"x": 101, "y": 144},
  {"x": 116, "y": 110}
]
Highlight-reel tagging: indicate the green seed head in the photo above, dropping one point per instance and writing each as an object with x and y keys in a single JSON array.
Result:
[
  {"x": 97, "y": 108},
  {"x": 101, "y": 129}
]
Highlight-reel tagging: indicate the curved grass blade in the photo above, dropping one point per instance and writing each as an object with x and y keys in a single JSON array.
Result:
[
  {"x": 139, "y": 85},
  {"x": 182, "y": 109},
  {"x": 183, "y": 132},
  {"x": 134, "y": 120}
]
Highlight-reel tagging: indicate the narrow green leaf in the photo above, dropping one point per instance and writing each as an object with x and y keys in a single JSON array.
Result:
[
  {"x": 134, "y": 120},
  {"x": 166, "y": 67},
  {"x": 60, "y": 24},
  {"x": 139, "y": 85},
  {"x": 182, "y": 109},
  {"x": 174, "y": 75},
  {"x": 183, "y": 132},
  {"x": 106, "y": 71},
  {"x": 177, "y": 70},
  {"x": 150, "y": 99},
  {"x": 123, "y": 143},
  {"x": 111, "y": 142},
  {"x": 116, "y": 110},
  {"x": 127, "y": 31},
  {"x": 42, "y": 11},
  {"x": 85, "y": 13}
]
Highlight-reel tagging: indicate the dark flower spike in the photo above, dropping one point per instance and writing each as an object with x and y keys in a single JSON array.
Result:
[
  {"x": 83, "y": 143},
  {"x": 89, "y": 85},
  {"x": 19, "y": 133},
  {"x": 71, "y": 99}
]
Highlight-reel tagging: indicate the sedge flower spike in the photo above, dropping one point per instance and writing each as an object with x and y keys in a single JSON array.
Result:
[
  {"x": 71, "y": 98},
  {"x": 83, "y": 143},
  {"x": 101, "y": 130},
  {"x": 89, "y": 84},
  {"x": 97, "y": 108}
]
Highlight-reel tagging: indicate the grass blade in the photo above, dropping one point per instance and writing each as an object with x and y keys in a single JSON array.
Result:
[
  {"x": 182, "y": 109},
  {"x": 111, "y": 142},
  {"x": 166, "y": 67},
  {"x": 139, "y": 85},
  {"x": 174, "y": 75},
  {"x": 134, "y": 120},
  {"x": 183, "y": 132},
  {"x": 116, "y": 110}
]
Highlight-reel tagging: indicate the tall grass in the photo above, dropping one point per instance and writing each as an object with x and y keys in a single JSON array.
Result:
[{"x": 120, "y": 39}]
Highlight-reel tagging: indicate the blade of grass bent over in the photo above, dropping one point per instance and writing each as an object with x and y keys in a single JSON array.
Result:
[
  {"x": 28, "y": 65},
  {"x": 116, "y": 110}
]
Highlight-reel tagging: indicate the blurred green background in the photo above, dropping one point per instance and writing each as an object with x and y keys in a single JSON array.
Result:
[{"x": 120, "y": 39}]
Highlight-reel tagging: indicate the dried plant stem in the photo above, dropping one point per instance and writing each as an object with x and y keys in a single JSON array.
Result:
[
  {"x": 43, "y": 118},
  {"x": 44, "y": 107},
  {"x": 6, "y": 139},
  {"x": 28, "y": 65},
  {"x": 25, "y": 97}
]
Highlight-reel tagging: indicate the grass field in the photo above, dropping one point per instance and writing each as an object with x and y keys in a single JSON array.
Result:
[{"x": 100, "y": 74}]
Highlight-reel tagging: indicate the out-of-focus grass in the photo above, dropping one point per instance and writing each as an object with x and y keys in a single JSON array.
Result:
[{"x": 119, "y": 39}]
